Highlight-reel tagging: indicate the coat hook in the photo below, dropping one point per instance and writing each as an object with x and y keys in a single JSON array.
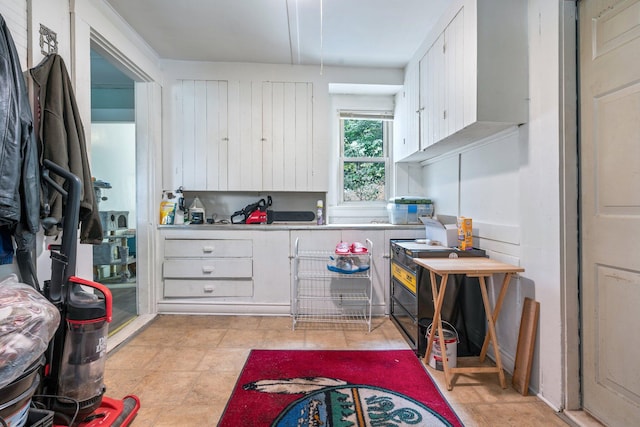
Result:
[{"x": 48, "y": 41}]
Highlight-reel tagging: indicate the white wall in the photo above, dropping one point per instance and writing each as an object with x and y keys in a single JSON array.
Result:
[
  {"x": 509, "y": 185},
  {"x": 114, "y": 161},
  {"x": 15, "y": 15}
]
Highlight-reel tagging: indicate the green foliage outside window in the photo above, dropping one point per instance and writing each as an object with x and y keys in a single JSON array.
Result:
[{"x": 364, "y": 167}]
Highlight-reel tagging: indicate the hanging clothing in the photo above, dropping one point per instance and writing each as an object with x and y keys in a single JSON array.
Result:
[
  {"x": 61, "y": 140},
  {"x": 19, "y": 169}
]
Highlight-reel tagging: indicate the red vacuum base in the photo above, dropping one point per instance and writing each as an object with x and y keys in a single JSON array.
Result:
[{"x": 112, "y": 413}]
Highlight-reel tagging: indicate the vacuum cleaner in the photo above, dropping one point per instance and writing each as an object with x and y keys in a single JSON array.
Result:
[{"x": 72, "y": 382}]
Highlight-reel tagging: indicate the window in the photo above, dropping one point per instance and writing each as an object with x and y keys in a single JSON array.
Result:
[{"x": 364, "y": 162}]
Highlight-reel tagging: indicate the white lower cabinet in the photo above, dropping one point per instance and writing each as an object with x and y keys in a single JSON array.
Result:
[
  {"x": 207, "y": 268},
  {"x": 249, "y": 271},
  {"x": 225, "y": 272}
]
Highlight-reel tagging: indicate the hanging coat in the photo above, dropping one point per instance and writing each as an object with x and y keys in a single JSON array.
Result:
[
  {"x": 19, "y": 176},
  {"x": 61, "y": 140}
]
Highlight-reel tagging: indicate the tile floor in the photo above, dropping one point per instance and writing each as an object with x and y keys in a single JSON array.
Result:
[{"x": 183, "y": 368}]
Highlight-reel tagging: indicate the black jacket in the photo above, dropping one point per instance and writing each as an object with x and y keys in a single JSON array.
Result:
[
  {"x": 19, "y": 168},
  {"x": 62, "y": 140}
]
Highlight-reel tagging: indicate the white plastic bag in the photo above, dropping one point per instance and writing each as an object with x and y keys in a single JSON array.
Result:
[{"x": 27, "y": 323}]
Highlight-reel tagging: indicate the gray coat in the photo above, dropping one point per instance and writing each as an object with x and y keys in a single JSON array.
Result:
[{"x": 61, "y": 139}]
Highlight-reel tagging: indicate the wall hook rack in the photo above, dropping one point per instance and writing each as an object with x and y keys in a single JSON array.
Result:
[{"x": 48, "y": 41}]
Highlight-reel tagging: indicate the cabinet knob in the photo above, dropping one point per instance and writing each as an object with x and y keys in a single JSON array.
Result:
[
  {"x": 207, "y": 249},
  {"x": 208, "y": 289},
  {"x": 208, "y": 269}
]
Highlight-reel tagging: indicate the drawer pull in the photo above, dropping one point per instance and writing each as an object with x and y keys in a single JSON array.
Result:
[
  {"x": 207, "y": 249},
  {"x": 209, "y": 289},
  {"x": 208, "y": 268}
]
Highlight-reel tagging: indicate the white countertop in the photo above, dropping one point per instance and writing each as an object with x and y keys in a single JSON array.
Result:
[{"x": 290, "y": 226}]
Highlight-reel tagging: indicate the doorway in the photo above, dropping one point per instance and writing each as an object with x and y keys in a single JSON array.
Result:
[
  {"x": 113, "y": 164},
  {"x": 610, "y": 208}
]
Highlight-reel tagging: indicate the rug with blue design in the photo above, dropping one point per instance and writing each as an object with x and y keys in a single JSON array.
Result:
[{"x": 336, "y": 388}]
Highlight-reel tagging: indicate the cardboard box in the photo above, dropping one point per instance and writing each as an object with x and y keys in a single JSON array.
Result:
[
  {"x": 465, "y": 233},
  {"x": 443, "y": 229}
]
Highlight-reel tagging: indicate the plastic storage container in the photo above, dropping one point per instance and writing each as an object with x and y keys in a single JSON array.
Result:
[
  {"x": 408, "y": 210},
  {"x": 15, "y": 398}
]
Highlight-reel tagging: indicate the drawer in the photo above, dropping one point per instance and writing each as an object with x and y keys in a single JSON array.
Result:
[
  {"x": 405, "y": 321},
  {"x": 404, "y": 276},
  {"x": 208, "y": 268},
  {"x": 205, "y": 248},
  {"x": 176, "y": 288},
  {"x": 404, "y": 297}
]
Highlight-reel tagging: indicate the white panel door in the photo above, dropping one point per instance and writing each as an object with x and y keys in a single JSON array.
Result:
[{"x": 610, "y": 208}]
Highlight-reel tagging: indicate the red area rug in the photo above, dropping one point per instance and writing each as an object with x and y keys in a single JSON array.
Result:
[{"x": 335, "y": 388}]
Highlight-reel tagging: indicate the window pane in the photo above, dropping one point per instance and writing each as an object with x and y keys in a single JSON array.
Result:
[
  {"x": 363, "y": 138},
  {"x": 363, "y": 181}
]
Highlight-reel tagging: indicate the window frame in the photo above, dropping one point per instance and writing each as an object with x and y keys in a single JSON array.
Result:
[{"x": 387, "y": 140}]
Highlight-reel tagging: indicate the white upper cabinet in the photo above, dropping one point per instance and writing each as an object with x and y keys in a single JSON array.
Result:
[
  {"x": 472, "y": 77},
  {"x": 442, "y": 85},
  {"x": 407, "y": 139},
  {"x": 200, "y": 133},
  {"x": 287, "y": 136},
  {"x": 241, "y": 136},
  {"x": 244, "y": 163}
]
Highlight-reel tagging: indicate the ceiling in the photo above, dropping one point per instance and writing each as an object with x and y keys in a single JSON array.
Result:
[{"x": 354, "y": 33}]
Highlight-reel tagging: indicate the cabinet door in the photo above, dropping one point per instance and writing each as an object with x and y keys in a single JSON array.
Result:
[
  {"x": 200, "y": 158},
  {"x": 216, "y": 136},
  {"x": 185, "y": 138},
  {"x": 412, "y": 110},
  {"x": 287, "y": 141},
  {"x": 442, "y": 85},
  {"x": 453, "y": 76},
  {"x": 245, "y": 136},
  {"x": 432, "y": 93}
]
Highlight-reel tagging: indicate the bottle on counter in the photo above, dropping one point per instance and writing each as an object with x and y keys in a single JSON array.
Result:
[
  {"x": 196, "y": 212},
  {"x": 180, "y": 209},
  {"x": 319, "y": 216},
  {"x": 167, "y": 208}
]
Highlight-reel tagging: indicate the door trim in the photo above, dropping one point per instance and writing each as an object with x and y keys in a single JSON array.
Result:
[{"x": 569, "y": 204}]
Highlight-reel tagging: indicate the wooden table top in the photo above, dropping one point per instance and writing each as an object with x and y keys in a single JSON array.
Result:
[{"x": 478, "y": 266}]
